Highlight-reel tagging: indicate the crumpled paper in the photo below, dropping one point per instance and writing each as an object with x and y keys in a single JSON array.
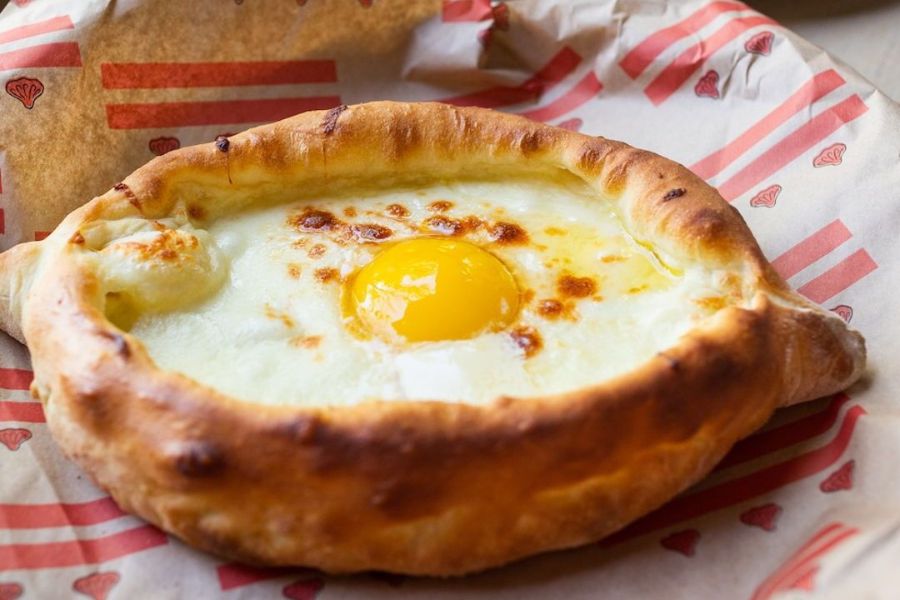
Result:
[{"x": 807, "y": 150}]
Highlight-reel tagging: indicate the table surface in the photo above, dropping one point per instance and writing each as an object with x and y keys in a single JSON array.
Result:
[{"x": 865, "y": 34}]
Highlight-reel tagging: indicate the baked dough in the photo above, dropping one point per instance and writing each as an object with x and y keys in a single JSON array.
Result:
[{"x": 405, "y": 485}]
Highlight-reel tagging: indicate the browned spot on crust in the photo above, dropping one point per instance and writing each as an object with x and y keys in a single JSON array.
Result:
[
  {"x": 196, "y": 212},
  {"x": 440, "y": 206},
  {"x": 166, "y": 246},
  {"x": 223, "y": 143},
  {"x": 294, "y": 270},
  {"x": 76, "y": 238},
  {"x": 121, "y": 344},
  {"x": 528, "y": 339},
  {"x": 712, "y": 302},
  {"x": 576, "y": 287},
  {"x": 674, "y": 193},
  {"x": 444, "y": 225},
  {"x": 371, "y": 231},
  {"x": 327, "y": 274},
  {"x": 555, "y": 231},
  {"x": 317, "y": 251},
  {"x": 397, "y": 210},
  {"x": 123, "y": 187},
  {"x": 314, "y": 220},
  {"x": 330, "y": 120},
  {"x": 508, "y": 234},
  {"x": 350, "y": 212},
  {"x": 198, "y": 459},
  {"x": 309, "y": 342},
  {"x": 613, "y": 258},
  {"x": 280, "y": 316}
]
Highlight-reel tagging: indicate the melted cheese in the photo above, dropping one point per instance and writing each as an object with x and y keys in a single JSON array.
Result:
[{"x": 273, "y": 331}]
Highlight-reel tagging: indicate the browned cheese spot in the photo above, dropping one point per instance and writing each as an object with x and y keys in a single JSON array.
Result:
[
  {"x": 308, "y": 342},
  {"x": 314, "y": 220},
  {"x": 327, "y": 274},
  {"x": 350, "y": 212},
  {"x": 508, "y": 233},
  {"x": 76, "y": 238},
  {"x": 317, "y": 251},
  {"x": 674, "y": 193},
  {"x": 370, "y": 232},
  {"x": 550, "y": 308},
  {"x": 278, "y": 315},
  {"x": 196, "y": 212},
  {"x": 528, "y": 339},
  {"x": 166, "y": 246},
  {"x": 294, "y": 270},
  {"x": 444, "y": 225},
  {"x": 576, "y": 287},
  {"x": 397, "y": 210},
  {"x": 527, "y": 296},
  {"x": 440, "y": 206}
]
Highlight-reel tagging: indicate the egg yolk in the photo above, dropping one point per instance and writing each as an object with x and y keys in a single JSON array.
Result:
[{"x": 431, "y": 289}]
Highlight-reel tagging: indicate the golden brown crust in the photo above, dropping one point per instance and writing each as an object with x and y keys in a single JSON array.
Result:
[{"x": 418, "y": 487}]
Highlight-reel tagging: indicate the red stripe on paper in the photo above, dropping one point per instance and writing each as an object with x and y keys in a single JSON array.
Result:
[
  {"x": 640, "y": 57},
  {"x": 33, "y": 29},
  {"x": 22, "y": 412},
  {"x": 792, "y": 146},
  {"x": 217, "y": 74},
  {"x": 799, "y": 563},
  {"x": 744, "y": 488},
  {"x": 15, "y": 379},
  {"x": 789, "y": 434},
  {"x": 235, "y": 575},
  {"x": 686, "y": 64},
  {"x": 456, "y": 11},
  {"x": 80, "y": 552},
  {"x": 185, "y": 114},
  {"x": 584, "y": 90},
  {"x": 810, "y": 92},
  {"x": 560, "y": 66},
  {"x": 816, "y": 246},
  {"x": 34, "y": 516},
  {"x": 839, "y": 277},
  {"x": 58, "y": 54}
]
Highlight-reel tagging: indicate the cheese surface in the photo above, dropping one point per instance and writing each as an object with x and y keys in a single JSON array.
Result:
[{"x": 276, "y": 319}]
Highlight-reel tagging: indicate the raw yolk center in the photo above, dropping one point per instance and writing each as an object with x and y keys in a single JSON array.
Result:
[{"x": 432, "y": 289}]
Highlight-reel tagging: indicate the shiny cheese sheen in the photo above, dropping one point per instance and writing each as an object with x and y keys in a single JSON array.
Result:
[{"x": 276, "y": 330}]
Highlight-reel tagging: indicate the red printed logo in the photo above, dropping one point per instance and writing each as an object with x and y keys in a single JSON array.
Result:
[
  {"x": 767, "y": 197},
  {"x": 761, "y": 43},
  {"x": 765, "y": 517},
  {"x": 25, "y": 89},
  {"x": 500, "y": 13},
  {"x": 96, "y": 585},
  {"x": 571, "y": 124},
  {"x": 161, "y": 145},
  {"x": 843, "y": 311},
  {"x": 707, "y": 86},
  {"x": 683, "y": 542},
  {"x": 303, "y": 589},
  {"x": 10, "y": 591},
  {"x": 831, "y": 156},
  {"x": 842, "y": 479},
  {"x": 13, "y": 438}
]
